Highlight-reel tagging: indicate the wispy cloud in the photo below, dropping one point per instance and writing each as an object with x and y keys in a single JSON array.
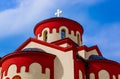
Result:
[
  {"x": 107, "y": 38},
  {"x": 15, "y": 20},
  {"x": 27, "y": 13},
  {"x": 23, "y": 18}
]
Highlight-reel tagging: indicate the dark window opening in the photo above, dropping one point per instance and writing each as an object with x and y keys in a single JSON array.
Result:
[
  {"x": 63, "y": 34},
  {"x": 78, "y": 39},
  {"x": 45, "y": 36}
]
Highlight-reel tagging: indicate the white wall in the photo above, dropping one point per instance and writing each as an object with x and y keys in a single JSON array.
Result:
[
  {"x": 58, "y": 69},
  {"x": 64, "y": 45},
  {"x": 114, "y": 77},
  {"x": 92, "y": 52},
  {"x": 65, "y": 59},
  {"x": 54, "y": 36},
  {"x": 35, "y": 72},
  {"x": 86, "y": 54},
  {"x": 103, "y": 74},
  {"x": 119, "y": 76},
  {"x": 80, "y": 74},
  {"x": 82, "y": 53}
]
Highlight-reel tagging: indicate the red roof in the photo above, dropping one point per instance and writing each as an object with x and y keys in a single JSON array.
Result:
[{"x": 57, "y": 22}]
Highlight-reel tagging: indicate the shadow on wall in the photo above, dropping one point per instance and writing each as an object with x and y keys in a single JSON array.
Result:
[{"x": 58, "y": 69}]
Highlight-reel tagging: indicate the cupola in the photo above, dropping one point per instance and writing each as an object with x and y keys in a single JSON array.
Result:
[{"x": 57, "y": 28}]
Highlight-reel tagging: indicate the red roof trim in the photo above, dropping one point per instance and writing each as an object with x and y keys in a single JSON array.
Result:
[
  {"x": 104, "y": 61},
  {"x": 57, "y": 23},
  {"x": 63, "y": 41},
  {"x": 15, "y": 54},
  {"x": 90, "y": 48},
  {"x": 43, "y": 43},
  {"x": 54, "y": 19},
  {"x": 16, "y": 77},
  {"x": 111, "y": 66}
]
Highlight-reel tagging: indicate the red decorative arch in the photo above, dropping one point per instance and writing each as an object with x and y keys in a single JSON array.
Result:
[
  {"x": 56, "y": 23},
  {"x": 16, "y": 77},
  {"x": 7, "y": 78}
]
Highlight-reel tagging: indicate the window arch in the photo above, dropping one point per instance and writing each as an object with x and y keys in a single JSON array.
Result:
[
  {"x": 7, "y": 78},
  {"x": 45, "y": 35},
  {"x": 80, "y": 74},
  {"x": 103, "y": 74},
  {"x": 78, "y": 39},
  {"x": 16, "y": 77},
  {"x": 92, "y": 76},
  {"x": 63, "y": 33},
  {"x": 114, "y": 77}
]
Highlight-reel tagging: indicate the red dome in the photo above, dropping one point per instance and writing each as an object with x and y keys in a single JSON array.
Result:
[
  {"x": 56, "y": 23},
  {"x": 25, "y": 59}
]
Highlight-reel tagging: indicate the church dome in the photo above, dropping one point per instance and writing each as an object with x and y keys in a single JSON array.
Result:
[{"x": 57, "y": 28}]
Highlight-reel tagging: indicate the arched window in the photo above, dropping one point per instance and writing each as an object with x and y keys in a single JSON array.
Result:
[
  {"x": 92, "y": 76},
  {"x": 16, "y": 77},
  {"x": 114, "y": 77},
  {"x": 80, "y": 74},
  {"x": 63, "y": 34},
  {"x": 103, "y": 74},
  {"x": 7, "y": 78},
  {"x": 45, "y": 36},
  {"x": 78, "y": 39}
]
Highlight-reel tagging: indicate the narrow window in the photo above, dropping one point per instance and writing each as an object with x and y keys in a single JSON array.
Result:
[
  {"x": 78, "y": 39},
  {"x": 63, "y": 34},
  {"x": 45, "y": 36}
]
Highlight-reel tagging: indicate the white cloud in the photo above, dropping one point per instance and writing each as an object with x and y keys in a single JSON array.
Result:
[
  {"x": 28, "y": 12},
  {"x": 23, "y": 17},
  {"x": 107, "y": 38}
]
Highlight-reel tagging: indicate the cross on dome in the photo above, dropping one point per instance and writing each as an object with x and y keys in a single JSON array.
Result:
[{"x": 58, "y": 13}]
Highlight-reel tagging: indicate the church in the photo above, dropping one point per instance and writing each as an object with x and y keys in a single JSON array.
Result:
[{"x": 57, "y": 52}]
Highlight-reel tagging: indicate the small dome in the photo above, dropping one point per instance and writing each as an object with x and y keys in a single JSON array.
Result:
[
  {"x": 56, "y": 23},
  {"x": 58, "y": 28},
  {"x": 96, "y": 57}
]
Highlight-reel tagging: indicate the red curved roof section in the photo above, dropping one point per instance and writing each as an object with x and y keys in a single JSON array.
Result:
[
  {"x": 26, "y": 59},
  {"x": 57, "y": 23},
  {"x": 111, "y": 66}
]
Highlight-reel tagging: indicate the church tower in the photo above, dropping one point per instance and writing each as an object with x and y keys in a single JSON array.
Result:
[
  {"x": 58, "y": 28},
  {"x": 57, "y": 52}
]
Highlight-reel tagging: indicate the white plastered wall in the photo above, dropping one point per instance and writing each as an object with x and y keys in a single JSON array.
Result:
[
  {"x": 64, "y": 58},
  {"x": 114, "y": 77},
  {"x": 103, "y": 74},
  {"x": 64, "y": 45},
  {"x": 54, "y": 36},
  {"x": 35, "y": 72},
  {"x": 82, "y": 53},
  {"x": 119, "y": 76},
  {"x": 92, "y": 52},
  {"x": 58, "y": 69},
  {"x": 80, "y": 74}
]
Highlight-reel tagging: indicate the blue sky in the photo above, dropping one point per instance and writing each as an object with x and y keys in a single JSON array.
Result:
[{"x": 99, "y": 18}]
